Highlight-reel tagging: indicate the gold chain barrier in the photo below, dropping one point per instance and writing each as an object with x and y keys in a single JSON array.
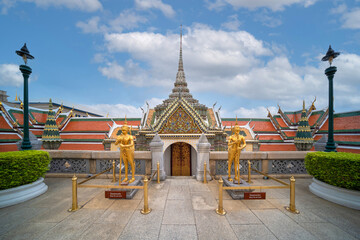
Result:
[
  {"x": 75, "y": 186},
  {"x": 291, "y": 208}
]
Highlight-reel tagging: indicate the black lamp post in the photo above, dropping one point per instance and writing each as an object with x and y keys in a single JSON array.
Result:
[
  {"x": 330, "y": 72},
  {"x": 26, "y": 71}
]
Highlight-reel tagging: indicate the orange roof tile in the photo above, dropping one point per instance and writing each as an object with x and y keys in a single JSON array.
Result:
[
  {"x": 75, "y": 146},
  {"x": 281, "y": 122},
  {"x": 9, "y": 136},
  {"x": 8, "y": 147},
  {"x": 341, "y": 123},
  {"x": 40, "y": 117},
  {"x": 269, "y": 137},
  {"x": 277, "y": 147},
  {"x": 3, "y": 123},
  {"x": 80, "y": 136}
]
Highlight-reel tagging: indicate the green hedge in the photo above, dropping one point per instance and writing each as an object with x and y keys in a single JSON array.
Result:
[
  {"x": 337, "y": 169},
  {"x": 22, "y": 167}
]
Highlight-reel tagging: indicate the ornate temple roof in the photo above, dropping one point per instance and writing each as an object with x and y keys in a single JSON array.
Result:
[{"x": 181, "y": 90}]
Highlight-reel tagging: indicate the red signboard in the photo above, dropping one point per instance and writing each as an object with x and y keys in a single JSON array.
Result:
[
  {"x": 254, "y": 195},
  {"x": 115, "y": 194}
]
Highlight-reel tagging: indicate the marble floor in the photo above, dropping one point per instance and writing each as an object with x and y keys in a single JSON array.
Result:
[{"x": 181, "y": 209}]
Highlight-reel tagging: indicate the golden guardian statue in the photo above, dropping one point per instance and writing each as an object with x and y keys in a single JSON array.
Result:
[
  {"x": 126, "y": 142},
  {"x": 235, "y": 144}
]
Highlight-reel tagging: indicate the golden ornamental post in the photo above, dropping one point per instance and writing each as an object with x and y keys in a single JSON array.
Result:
[
  {"x": 158, "y": 172},
  {"x": 291, "y": 207},
  {"x": 205, "y": 172},
  {"x": 120, "y": 170},
  {"x": 74, "y": 206},
  {"x": 146, "y": 208},
  {"x": 249, "y": 172},
  {"x": 220, "y": 210},
  {"x": 114, "y": 169}
]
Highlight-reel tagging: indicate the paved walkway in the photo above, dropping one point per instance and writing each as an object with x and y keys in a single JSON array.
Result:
[{"x": 182, "y": 209}]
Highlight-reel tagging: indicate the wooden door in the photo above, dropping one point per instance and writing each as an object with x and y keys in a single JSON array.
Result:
[{"x": 180, "y": 159}]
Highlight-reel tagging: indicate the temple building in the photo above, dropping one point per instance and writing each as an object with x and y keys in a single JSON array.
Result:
[{"x": 179, "y": 122}]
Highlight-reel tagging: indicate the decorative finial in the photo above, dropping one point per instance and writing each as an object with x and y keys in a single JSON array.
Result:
[
  {"x": 125, "y": 120},
  {"x": 303, "y": 105},
  {"x": 16, "y": 98},
  {"x": 236, "y": 123},
  {"x": 50, "y": 105},
  {"x": 181, "y": 65},
  {"x": 330, "y": 55},
  {"x": 24, "y": 53}
]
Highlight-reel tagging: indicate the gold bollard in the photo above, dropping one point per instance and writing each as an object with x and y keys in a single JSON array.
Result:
[
  {"x": 249, "y": 172},
  {"x": 146, "y": 209},
  {"x": 205, "y": 172},
  {"x": 220, "y": 210},
  {"x": 291, "y": 207},
  {"x": 158, "y": 172},
  {"x": 74, "y": 206},
  {"x": 120, "y": 170},
  {"x": 114, "y": 169}
]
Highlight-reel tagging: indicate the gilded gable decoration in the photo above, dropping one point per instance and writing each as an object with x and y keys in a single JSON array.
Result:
[{"x": 180, "y": 122}]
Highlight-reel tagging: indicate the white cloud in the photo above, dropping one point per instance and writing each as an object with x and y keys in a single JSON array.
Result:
[
  {"x": 206, "y": 51},
  {"x": 10, "y": 75},
  {"x": 274, "y": 5},
  {"x": 352, "y": 19},
  {"x": 113, "y": 70},
  {"x": 120, "y": 110},
  {"x": 127, "y": 19},
  {"x": 231, "y": 64},
  {"x": 82, "y": 5},
  {"x": 114, "y": 110},
  {"x": 267, "y": 20},
  {"x": 166, "y": 9},
  {"x": 232, "y": 24},
  {"x": 258, "y": 112},
  {"x": 339, "y": 9},
  {"x": 91, "y": 26}
]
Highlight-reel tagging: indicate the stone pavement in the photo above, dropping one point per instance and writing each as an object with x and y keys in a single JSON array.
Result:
[{"x": 181, "y": 209}]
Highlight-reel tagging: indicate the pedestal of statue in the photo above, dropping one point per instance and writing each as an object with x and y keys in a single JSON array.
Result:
[
  {"x": 236, "y": 194},
  {"x": 123, "y": 193}
]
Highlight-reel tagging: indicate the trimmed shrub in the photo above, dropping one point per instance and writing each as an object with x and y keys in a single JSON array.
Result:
[
  {"x": 337, "y": 169},
  {"x": 22, "y": 167}
]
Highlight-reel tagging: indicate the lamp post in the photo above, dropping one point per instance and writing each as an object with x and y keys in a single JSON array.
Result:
[
  {"x": 26, "y": 71},
  {"x": 330, "y": 72}
]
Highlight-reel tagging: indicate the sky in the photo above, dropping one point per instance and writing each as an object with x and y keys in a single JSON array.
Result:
[{"x": 247, "y": 56}]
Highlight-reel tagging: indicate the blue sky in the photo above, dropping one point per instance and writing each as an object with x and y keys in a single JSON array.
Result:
[{"x": 246, "y": 55}]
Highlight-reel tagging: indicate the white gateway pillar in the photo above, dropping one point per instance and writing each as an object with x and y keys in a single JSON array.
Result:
[
  {"x": 203, "y": 155},
  {"x": 156, "y": 147}
]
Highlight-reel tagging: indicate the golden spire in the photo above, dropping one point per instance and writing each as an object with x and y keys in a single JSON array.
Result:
[
  {"x": 303, "y": 105},
  {"x": 125, "y": 126},
  {"x": 181, "y": 65},
  {"x": 16, "y": 98}
]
